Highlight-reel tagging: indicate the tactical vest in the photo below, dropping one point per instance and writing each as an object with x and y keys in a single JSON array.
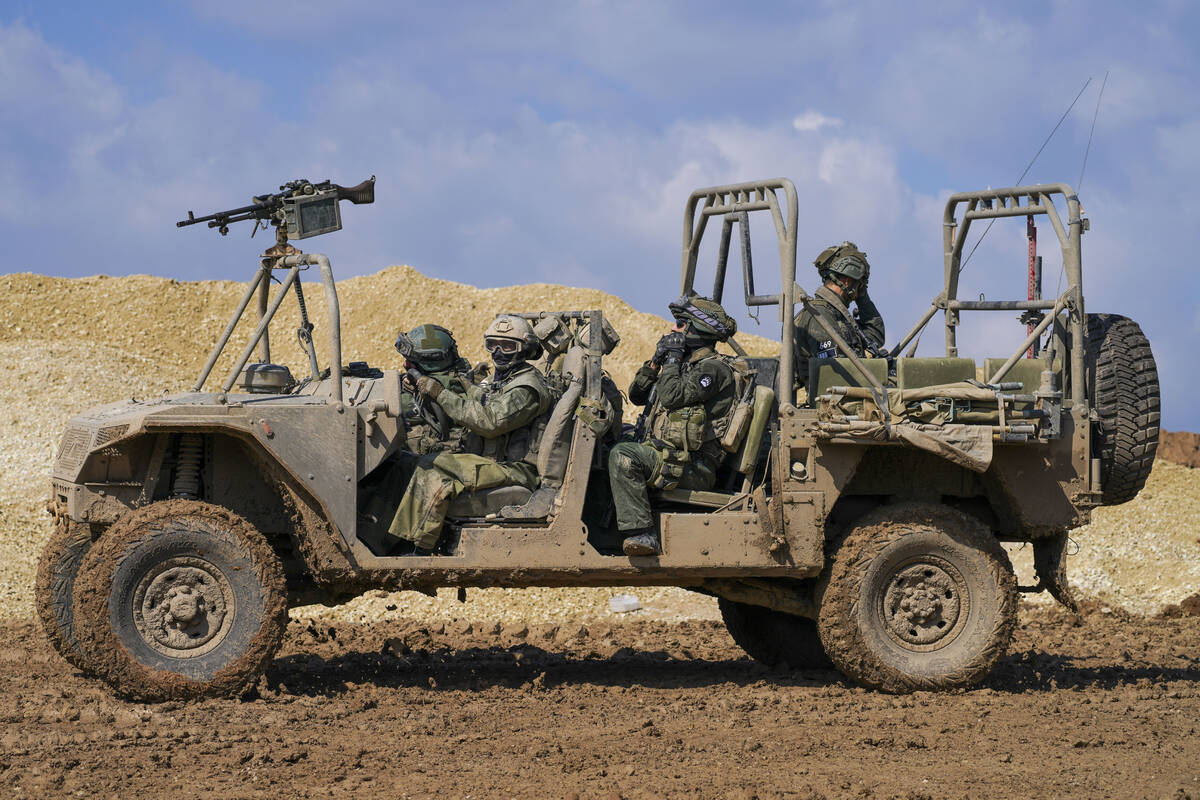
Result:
[
  {"x": 521, "y": 444},
  {"x": 834, "y": 311},
  {"x": 422, "y": 438},
  {"x": 689, "y": 428}
]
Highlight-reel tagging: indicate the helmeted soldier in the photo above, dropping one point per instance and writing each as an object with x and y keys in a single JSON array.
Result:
[
  {"x": 504, "y": 419},
  {"x": 844, "y": 272},
  {"x": 431, "y": 350},
  {"x": 428, "y": 350},
  {"x": 690, "y": 390}
]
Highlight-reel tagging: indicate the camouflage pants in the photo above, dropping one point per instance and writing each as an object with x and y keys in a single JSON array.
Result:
[
  {"x": 438, "y": 479},
  {"x": 631, "y": 466}
]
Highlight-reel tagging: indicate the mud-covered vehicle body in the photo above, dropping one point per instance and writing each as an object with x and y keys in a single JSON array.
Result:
[{"x": 862, "y": 527}]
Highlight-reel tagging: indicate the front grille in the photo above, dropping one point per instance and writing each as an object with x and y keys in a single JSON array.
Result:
[
  {"x": 106, "y": 435},
  {"x": 74, "y": 447}
]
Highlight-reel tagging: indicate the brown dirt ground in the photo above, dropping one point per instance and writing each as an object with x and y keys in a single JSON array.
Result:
[
  {"x": 1099, "y": 706},
  {"x": 1180, "y": 447}
]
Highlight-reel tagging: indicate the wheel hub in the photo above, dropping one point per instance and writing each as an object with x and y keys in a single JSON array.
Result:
[
  {"x": 183, "y": 608},
  {"x": 924, "y": 604}
]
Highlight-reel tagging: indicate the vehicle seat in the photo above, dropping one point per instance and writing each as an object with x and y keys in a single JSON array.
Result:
[
  {"x": 826, "y": 372},
  {"x": 746, "y": 460},
  {"x": 554, "y": 448},
  {"x": 487, "y": 501},
  {"x": 912, "y": 373},
  {"x": 1027, "y": 371}
]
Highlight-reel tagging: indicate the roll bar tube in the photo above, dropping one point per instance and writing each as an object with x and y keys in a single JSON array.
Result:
[
  {"x": 260, "y": 282},
  {"x": 994, "y": 204},
  {"x": 738, "y": 199}
]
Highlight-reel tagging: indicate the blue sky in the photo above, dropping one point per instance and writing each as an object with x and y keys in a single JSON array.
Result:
[{"x": 558, "y": 141}]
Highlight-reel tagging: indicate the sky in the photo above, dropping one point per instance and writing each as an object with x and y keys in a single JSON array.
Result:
[{"x": 558, "y": 142}]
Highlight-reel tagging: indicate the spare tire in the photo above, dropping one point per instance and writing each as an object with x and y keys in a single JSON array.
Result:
[{"x": 1122, "y": 382}]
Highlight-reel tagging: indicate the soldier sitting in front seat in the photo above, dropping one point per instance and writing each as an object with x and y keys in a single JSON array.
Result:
[
  {"x": 428, "y": 350},
  {"x": 431, "y": 350},
  {"x": 504, "y": 419}
]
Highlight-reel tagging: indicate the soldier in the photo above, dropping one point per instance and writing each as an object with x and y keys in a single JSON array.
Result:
[
  {"x": 504, "y": 420},
  {"x": 844, "y": 274},
  {"x": 690, "y": 390},
  {"x": 428, "y": 350},
  {"x": 431, "y": 350}
]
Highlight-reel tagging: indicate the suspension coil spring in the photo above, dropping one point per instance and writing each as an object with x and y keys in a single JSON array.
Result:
[{"x": 187, "y": 467}]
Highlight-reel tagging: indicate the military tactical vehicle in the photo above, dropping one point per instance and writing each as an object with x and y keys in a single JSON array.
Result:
[{"x": 860, "y": 526}]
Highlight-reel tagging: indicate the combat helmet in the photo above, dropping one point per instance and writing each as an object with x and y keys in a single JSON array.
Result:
[
  {"x": 431, "y": 347},
  {"x": 512, "y": 339},
  {"x": 843, "y": 259},
  {"x": 705, "y": 317}
]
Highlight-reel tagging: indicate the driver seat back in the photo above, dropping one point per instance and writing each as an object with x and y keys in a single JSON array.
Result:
[{"x": 554, "y": 450}]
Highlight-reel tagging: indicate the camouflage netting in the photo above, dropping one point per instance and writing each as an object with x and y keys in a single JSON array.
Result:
[{"x": 70, "y": 344}]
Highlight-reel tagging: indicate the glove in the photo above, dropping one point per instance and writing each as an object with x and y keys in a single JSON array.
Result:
[
  {"x": 430, "y": 387},
  {"x": 670, "y": 349}
]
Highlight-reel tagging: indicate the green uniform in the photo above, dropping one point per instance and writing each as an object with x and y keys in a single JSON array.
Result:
[
  {"x": 504, "y": 421},
  {"x": 422, "y": 438},
  {"x": 813, "y": 342},
  {"x": 691, "y": 409},
  {"x": 392, "y": 477}
]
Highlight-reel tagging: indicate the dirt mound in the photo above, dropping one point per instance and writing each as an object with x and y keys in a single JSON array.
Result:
[
  {"x": 1096, "y": 706},
  {"x": 1180, "y": 447},
  {"x": 1188, "y": 607}
]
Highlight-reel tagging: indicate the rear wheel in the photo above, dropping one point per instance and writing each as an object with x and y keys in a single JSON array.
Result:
[
  {"x": 180, "y": 600},
  {"x": 773, "y": 637},
  {"x": 917, "y": 597},
  {"x": 1123, "y": 386},
  {"x": 54, "y": 588}
]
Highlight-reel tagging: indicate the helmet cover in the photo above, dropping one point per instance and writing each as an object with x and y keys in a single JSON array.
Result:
[
  {"x": 431, "y": 347},
  {"x": 705, "y": 316}
]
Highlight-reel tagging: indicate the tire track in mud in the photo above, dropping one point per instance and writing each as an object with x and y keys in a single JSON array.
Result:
[{"x": 1101, "y": 705}]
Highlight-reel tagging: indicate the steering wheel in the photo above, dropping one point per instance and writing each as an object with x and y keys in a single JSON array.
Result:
[{"x": 433, "y": 415}]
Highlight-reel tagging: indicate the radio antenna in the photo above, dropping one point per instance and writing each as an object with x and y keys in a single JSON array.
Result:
[
  {"x": 992, "y": 221},
  {"x": 1091, "y": 133}
]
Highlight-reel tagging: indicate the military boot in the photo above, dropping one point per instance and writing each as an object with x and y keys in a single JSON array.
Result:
[{"x": 642, "y": 543}]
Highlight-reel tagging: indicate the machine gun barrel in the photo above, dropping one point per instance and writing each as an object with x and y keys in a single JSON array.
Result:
[{"x": 254, "y": 210}]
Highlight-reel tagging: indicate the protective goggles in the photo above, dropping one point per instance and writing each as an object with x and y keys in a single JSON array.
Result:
[{"x": 509, "y": 347}]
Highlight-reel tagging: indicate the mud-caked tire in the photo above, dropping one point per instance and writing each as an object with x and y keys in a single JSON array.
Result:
[
  {"x": 774, "y": 638},
  {"x": 54, "y": 588},
  {"x": 180, "y": 600},
  {"x": 917, "y": 597},
  {"x": 1122, "y": 382}
]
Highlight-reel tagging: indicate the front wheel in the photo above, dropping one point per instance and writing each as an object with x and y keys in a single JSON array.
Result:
[
  {"x": 917, "y": 597},
  {"x": 180, "y": 600}
]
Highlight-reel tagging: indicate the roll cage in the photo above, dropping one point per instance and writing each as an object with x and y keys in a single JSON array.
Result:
[{"x": 734, "y": 202}]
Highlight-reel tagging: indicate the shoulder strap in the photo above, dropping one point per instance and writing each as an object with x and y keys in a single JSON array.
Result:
[{"x": 839, "y": 308}]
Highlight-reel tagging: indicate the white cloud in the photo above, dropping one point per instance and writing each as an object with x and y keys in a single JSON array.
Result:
[{"x": 814, "y": 121}]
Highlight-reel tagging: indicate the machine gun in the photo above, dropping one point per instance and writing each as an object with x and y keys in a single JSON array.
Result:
[{"x": 301, "y": 208}]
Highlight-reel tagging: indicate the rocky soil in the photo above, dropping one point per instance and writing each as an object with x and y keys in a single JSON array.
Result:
[
  {"x": 1101, "y": 706},
  {"x": 1180, "y": 447}
]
